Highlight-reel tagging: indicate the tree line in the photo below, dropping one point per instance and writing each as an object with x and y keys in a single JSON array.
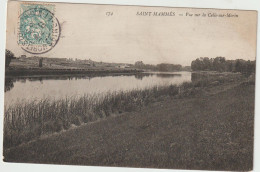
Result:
[
  {"x": 220, "y": 64},
  {"x": 163, "y": 67}
]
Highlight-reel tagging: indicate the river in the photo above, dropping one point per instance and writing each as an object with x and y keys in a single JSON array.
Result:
[{"x": 55, "y": 87}]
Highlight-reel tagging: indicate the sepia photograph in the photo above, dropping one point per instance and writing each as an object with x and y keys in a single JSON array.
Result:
[{"x": 129, "y": 86}]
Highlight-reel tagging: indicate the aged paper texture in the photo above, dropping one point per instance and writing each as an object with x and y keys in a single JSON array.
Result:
[{"x": 129, "y": 86}]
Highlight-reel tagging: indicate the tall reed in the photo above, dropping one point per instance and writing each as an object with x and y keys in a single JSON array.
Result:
[{"x": 25, "y": 121}]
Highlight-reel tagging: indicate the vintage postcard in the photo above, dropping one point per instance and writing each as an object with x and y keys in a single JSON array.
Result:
[{"x": 129, "y": 86}]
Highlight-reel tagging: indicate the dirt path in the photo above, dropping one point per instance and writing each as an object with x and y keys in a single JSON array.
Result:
[{"x": 206, "y": 132}]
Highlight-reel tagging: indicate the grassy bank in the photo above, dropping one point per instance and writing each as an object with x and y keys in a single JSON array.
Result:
[
  {"x": 25, "y": 121},
  {"x": 211, "y": 131}
]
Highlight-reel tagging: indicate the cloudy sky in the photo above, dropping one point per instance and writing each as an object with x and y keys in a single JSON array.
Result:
[{"x": 88, "y": 33}]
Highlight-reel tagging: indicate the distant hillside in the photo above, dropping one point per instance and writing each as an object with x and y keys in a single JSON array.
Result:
[{"x": 64, "y": 63}]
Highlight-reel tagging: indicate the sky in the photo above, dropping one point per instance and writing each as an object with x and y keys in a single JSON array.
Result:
[{"x": 125, "y": 37}]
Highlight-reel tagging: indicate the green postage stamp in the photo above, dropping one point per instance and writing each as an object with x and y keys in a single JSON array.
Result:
[{"x": 38, "y": 28}]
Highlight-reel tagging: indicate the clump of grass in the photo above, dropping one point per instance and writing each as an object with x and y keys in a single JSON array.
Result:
[{"x": 211, "y": 79}]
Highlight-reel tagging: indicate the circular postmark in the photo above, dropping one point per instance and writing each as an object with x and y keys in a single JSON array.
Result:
[{"x": 38, "y": 30}]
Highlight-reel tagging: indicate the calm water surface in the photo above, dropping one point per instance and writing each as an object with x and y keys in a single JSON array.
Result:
[{"x": 37, "y": 88}]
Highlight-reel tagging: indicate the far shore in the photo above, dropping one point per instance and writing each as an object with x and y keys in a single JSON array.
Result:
[
  {"x": 44, "y": 72},
  {"x": 52, "y": 72}
]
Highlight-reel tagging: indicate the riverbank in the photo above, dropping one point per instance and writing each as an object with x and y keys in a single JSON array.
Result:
[
  {"x": 25, "y": 121},
  {"x": 17, "y": 72},
  {"x": 28, "y": 120},
  {"x": 211, "y": 128}
]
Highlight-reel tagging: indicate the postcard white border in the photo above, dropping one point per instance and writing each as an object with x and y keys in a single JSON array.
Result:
[{"x": 222, "y": 4}]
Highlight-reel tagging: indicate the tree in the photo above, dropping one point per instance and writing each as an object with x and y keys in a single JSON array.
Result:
[
  {"x": 230, "y": 65},
  {"x": 139, "y": 64},
  {"x": 8, "y": 57},
  {"x": 240, "y": 66},
  {"x": 197, "y": 64},
  {"x": 163, "y": 67},
  {"x": 207, "y": 64},
  {"x": 219, "y": 64}
]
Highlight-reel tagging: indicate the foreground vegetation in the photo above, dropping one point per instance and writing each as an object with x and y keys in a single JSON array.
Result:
[
  {"x": 26, "y": 121},
  {"x": 210, "y": 129}
]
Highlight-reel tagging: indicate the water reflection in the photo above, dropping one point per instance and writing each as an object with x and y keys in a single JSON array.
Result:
[
  {"x": 9, "y": 81},
  {"x": 28, "y": 88},
  {"x": 9, "y": 84}
]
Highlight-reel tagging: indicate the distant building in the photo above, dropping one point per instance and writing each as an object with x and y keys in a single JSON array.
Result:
[{"x": 123, "y": 66}]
